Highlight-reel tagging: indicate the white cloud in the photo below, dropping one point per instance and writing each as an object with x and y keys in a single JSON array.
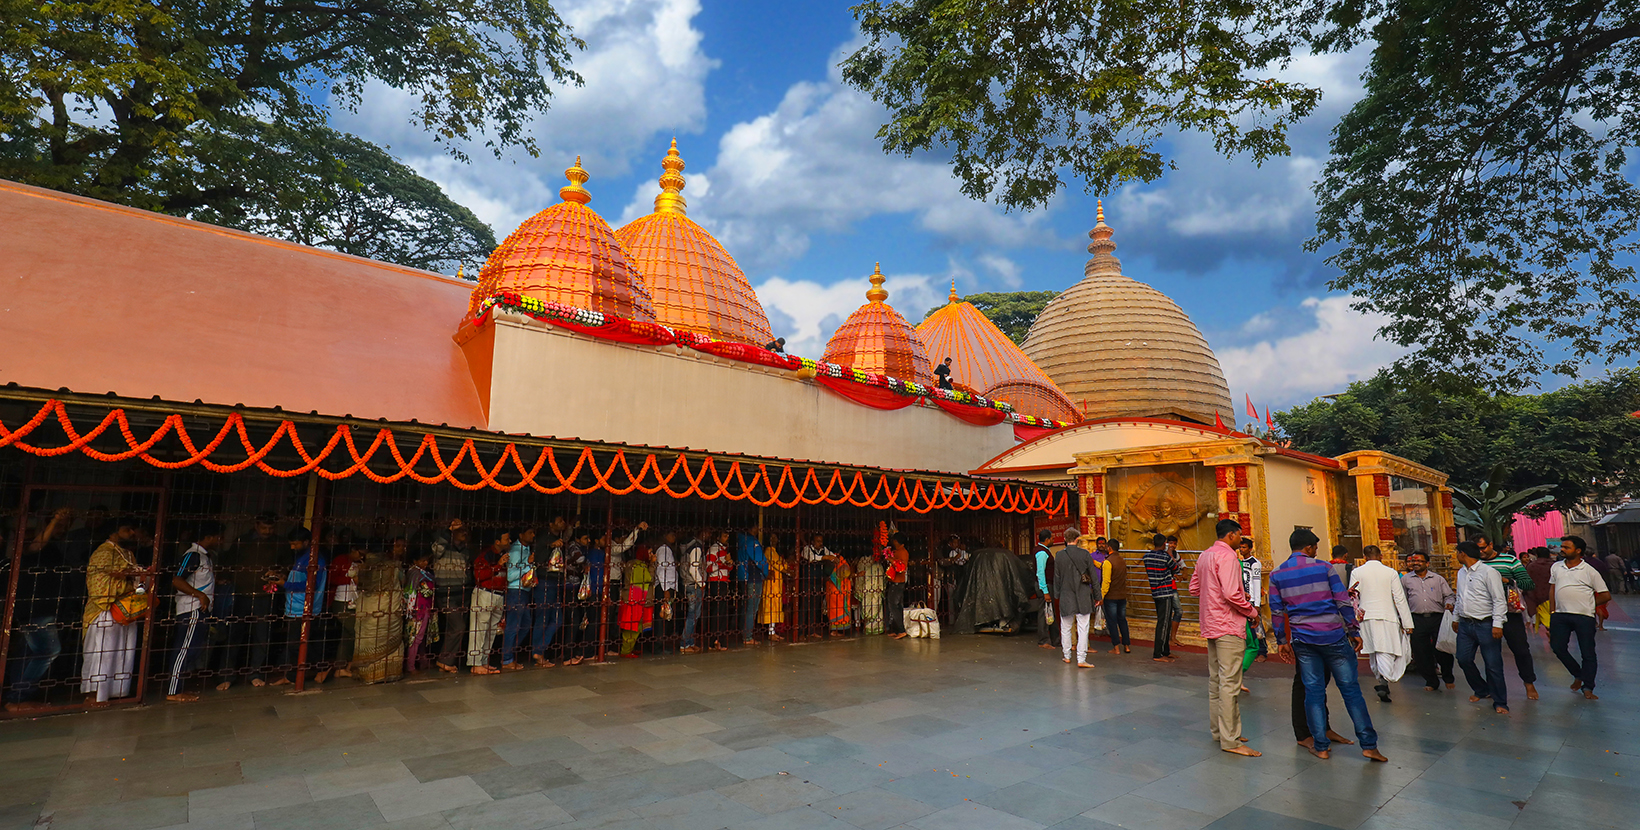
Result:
[
  {"x": 806, "y": 313},
  {"x": 1340, "y": 347},
  {"x": 645, "y": 76},
  {"x": 1004, "y": 268},
  {"x": 814, "y": 165}
]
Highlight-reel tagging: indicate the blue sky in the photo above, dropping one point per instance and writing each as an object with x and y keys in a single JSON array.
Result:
[{"x": 784, "y": 167}]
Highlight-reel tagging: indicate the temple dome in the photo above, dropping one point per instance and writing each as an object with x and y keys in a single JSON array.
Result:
[
  {"x": 1120, "y": 348},
  {"x": 985, "y": 360},
  {"x": 568, "y": 254},
  {"x": 695, "y": 284},
  {"x": 876, "y": 339}
]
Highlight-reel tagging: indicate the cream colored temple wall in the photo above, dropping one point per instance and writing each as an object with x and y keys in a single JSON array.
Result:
[
  {"x": 549, "y": 382},
  {"x": 1297, "y": 496}
]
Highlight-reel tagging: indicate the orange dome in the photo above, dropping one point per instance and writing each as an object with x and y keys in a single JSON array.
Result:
[
  {"x": 983, "y": 358},
  {"x": 568, "y": 254},
  {"x": 876, "y": 339},
  {"x": 696, "y": 285}
]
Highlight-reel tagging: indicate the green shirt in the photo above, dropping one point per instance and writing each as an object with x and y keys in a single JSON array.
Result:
[{"x": 1511, "y": 570}]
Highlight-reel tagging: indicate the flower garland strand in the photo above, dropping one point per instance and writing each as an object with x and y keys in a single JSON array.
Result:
[{"x": 760, "y": 483}]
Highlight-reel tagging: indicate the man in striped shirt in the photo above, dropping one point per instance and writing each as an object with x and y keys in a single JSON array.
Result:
[
  {"x": 1517, "y": 583},
  {"x": 1313, "y": 620},
  {"x": 1162, "y": 569}
]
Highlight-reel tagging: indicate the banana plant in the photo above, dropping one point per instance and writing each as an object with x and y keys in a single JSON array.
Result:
[{"x": 1491, "y": 510}]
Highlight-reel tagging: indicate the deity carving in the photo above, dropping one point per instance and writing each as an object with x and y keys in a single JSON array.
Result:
[{"x": 1160, "y": 503}]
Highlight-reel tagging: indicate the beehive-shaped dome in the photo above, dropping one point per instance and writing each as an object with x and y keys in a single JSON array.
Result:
[
  {"x": 695, "y": 284},
  {"x": 1124, "y": 348},
  {"x": 984, "y": 359},
  {"x": 876, "y": 339},
  {"x": 568, "y": 254}
]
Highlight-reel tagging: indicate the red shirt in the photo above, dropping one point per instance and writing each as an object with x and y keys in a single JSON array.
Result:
[{"x": 488, "y": 573}]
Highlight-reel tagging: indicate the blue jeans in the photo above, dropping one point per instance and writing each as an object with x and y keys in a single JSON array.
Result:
[
  {"x": 697, "y": 597},
  {"x": 1314, "y": 664},
  {"x": 1477, "y": 634},
  {"x": 518, "y": 621},
  {"x": 41, "y": 646},
  {"x": 754, "y": 601},
  {"x": 549, "y": 612}
]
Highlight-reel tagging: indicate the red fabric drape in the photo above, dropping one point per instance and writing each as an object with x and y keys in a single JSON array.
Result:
[
  {"x": 873, "y": 396},
  {"x": 1025, "y": 432},
  {"x": 623, "y": 331},
  {"x": 976, "y": 415},
  {"x": 747, "y": 353}
]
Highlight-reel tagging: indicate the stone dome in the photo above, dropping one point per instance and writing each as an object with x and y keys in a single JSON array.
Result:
[
  {"x": 985, "y": 360},
  {"x": 1126, "y": 349},
  {"x": 568, "y": 254},
  {"x": 876, "y": 339},
  {"x": 695, "y": 284}
]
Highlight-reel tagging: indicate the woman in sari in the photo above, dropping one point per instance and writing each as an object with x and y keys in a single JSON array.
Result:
[
  {"x": 637, "y": 611},
  {"x": 868, "y": 594},
  {"x": 378, "y": 649},
  {"x": 420, "y": 623},
  {"x": 840, "y": 597},
  {"x": 772, "y": 612}
]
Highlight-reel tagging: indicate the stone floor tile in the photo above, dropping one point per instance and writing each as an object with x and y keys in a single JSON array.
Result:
[
  {"x": 775, "y": 793},
  {"x": 511, "y": 781},
  {"x": 409, "y": 800},
  {"x": 342, "y": 813},
  {"x": 453, "y": 764},
  {"x": 128, "y": 815},
  {"x": 679, "y": 750},
  {"x": 802, "y": 818},
  {"x": 1136, "y": 813},
  {"x": 1292, "y": 800},
  {"x": 761, "y": 761},
  {"x": 709, "y": 810},
  {"x": 246, "y": 798},
  {"x": 939, "y": 788},
  {"x": 969, "y": 816},
  {"x": 533, "y": 811},
  {"x": 361, "y": 779},
  {"x": 1416, "y": 815},
  {"x": 1251, "y": 818},
  {"x": 874, "y": 808}
]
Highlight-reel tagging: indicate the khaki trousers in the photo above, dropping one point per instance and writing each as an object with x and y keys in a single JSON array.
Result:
[
  {"x": 1224, "y": 656},
  {"x": 482, "y": 621}
]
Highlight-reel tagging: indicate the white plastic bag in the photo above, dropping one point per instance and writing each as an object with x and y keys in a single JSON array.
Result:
[
  {"x": 922, "y": 623},
  {"x": 1446, "y": 639}
]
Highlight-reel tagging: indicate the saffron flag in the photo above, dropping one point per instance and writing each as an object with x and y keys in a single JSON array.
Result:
[
  {"x": 1217, "y": 421},
  {"x": 1251, "y": 412},
  {"x": 1269, "y": 418}
]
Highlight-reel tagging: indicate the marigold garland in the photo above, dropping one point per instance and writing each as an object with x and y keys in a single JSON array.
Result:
[{"x": 891, "y": 492}]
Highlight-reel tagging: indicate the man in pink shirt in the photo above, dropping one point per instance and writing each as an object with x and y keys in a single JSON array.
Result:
[{"x": 1225, "y": 612}]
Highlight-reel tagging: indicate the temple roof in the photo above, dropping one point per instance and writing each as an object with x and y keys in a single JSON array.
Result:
[
  {"x": 877, "y": 339},
  {"x": 103, "y": 298},
  {"x": 568, "y": 254},
  {"x": 987, "y": 361},
  {"x": 694, "y": 282},
  {"x": 1124, "y": 348}
]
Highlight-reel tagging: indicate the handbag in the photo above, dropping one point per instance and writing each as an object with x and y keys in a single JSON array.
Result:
[{"x": 130, "y": 607}]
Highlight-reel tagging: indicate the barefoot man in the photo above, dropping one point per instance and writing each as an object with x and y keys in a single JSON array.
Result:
[
  {"x": 1315, "y": 623},
  {"x": 1225, "y": 612}
]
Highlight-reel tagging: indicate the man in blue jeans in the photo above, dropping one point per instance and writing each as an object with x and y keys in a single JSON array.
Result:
[
  {"x": 1314, "y": 622},
  {"x": 692, "y": 571},
  {"x": 1481, "y": 607}
]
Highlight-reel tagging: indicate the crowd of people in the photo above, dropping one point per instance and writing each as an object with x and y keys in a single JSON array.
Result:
[{"x": 263, "y": 606}]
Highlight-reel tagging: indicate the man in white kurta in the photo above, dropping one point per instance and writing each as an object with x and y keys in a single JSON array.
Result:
[{"x": 1385, "y": 617}]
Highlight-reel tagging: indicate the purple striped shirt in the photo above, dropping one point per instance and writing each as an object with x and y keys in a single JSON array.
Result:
[{"x": 1308, "y": 593}]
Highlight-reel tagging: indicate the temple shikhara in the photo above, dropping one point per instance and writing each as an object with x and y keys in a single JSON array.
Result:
[{"x": 188, "y": 374}]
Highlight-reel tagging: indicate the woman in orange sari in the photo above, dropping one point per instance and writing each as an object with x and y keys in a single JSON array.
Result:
[
  {"x": 637, "y": 611},
  {"x": 840, "y": 597}
]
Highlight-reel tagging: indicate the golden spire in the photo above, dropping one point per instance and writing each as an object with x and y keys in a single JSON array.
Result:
[
  {"x": 877, "y": 292},
  {"x": 1103, "y": 249},
  {"x": 1101, "y": 203},
  {"x": 953, "y": 297},
  {"x": 670, "y": 199},
  {"x": 574, "y": 192}
]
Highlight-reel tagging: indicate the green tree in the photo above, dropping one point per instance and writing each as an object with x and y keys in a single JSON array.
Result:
[
  {"x": 1020, "y": 90},
  {"x": 336, "y": 191},
  {"x": 1479, "y": 194},
  {"x": 1011, "y": 311},
  {"x": 99, "y": 97},
  {"x": 1580, "y": 439}
]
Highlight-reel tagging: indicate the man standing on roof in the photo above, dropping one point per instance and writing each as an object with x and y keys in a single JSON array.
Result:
[
  {"x": 942, "y": 374},
  {"x": 1225, "y": 612}
]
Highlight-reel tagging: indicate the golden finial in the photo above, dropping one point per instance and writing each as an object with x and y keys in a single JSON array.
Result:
[
  {"x": 459, "y": 275},
  {"x": 877, "y": 293},
  {"x": 671, "y": 199},
  {"x": 953, "y": 297},
  {"x": 1101, "y": 216},
  {"x": 574, "y": 192}
]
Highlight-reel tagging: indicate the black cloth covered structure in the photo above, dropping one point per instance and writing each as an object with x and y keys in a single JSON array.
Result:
[{"x": 998, "y": 594}]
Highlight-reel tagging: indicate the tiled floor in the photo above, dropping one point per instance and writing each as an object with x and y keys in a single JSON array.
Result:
[{"x": 972, "y": 732}]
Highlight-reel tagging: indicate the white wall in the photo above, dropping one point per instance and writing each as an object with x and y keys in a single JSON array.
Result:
[
  {"x": 549, "y": 382},
  {"x": 1291, "y": 504}
]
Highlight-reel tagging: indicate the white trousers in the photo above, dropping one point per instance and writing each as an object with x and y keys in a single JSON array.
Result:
[
  {"x": 1081, "y": 638},
  {"x": 483, "y": 619},
  {"x": 110, "y": 653}
]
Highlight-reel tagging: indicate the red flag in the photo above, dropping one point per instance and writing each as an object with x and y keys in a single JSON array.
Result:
[
  {"x": 1269, "y": 418},
  {"x": 1251, "y": 412},
  {"x": 1217, "y": 421}
]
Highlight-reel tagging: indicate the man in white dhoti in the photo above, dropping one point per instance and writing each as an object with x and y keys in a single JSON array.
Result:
[
  {"x": 110, "y": 647},
  {"x": 1385, "y": 618}
]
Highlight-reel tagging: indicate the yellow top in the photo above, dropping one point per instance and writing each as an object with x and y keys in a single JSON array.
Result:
[
  {"x": 671, "y": 199},
  {"x": 877, "y": 293},
  {"x": 876, "y": 339},
  {"x": 574, "y": 192}
]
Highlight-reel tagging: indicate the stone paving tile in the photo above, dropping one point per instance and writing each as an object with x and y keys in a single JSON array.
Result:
[
  {"x": 453, "y": 764},
  {"x": 132, "y": 815},
  {"x": 246, "y": 798},
  {"x": 776, "y": 793},
  {"x": 1252, "y": 818},
  {"x": 410, "y": 800},
  {"x": 331, "y": 814},
  {"x": 361, "y": 779},
  {"x": 511, "y": 781},
  {"x": 533, "y": 811}
]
